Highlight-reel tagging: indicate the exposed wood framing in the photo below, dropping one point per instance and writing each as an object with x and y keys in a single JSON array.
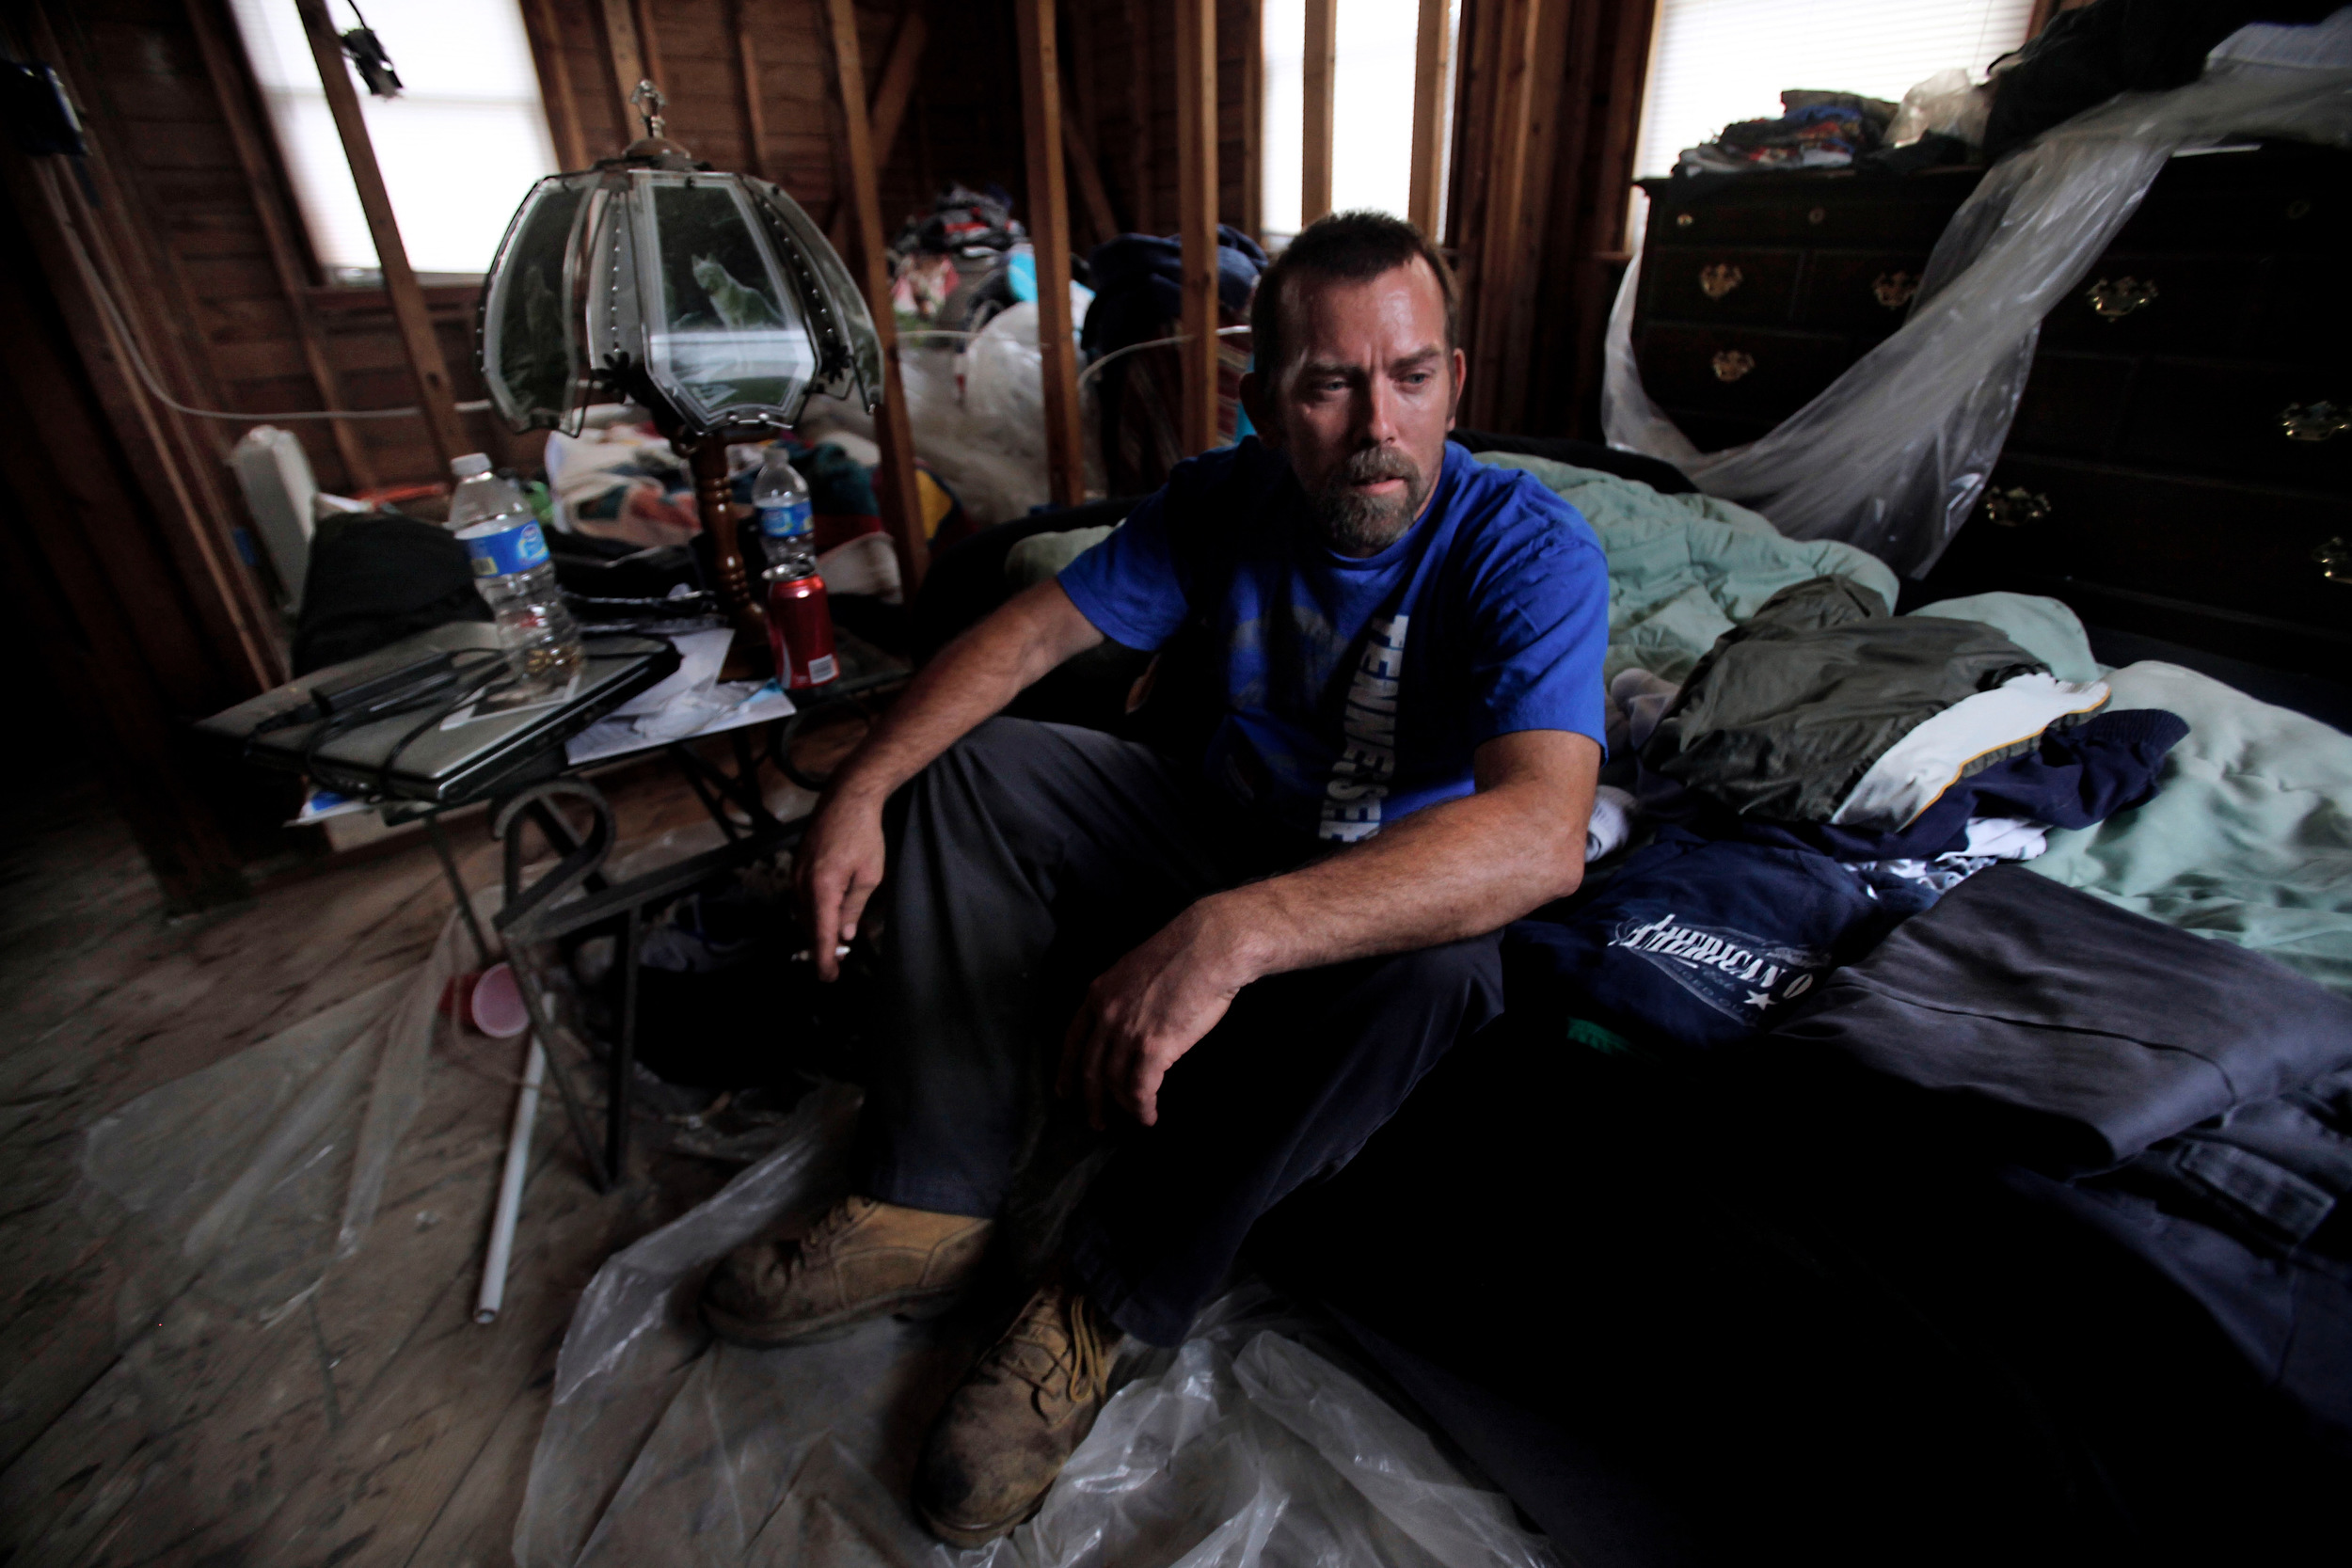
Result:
[
  {"x": 1141, "y": 78},
  {"x": 626, "y": 60},
  {"x": 1318, "y": 86},
  {"x": 901, "y": 504},
  {"x": 1433, "y": 55},
  {"x": 555, "y": 83},
  {"x": 649, "y": 42},
  {"x": 435, "y": 394},
  {"x": 1252, "y": 215},
  {"x": 747, "y": 78},
  {"x": 1196, "y": 164},
  {"x": 892, "y": 95},
  {"x": 1498, "y": 149},
  {"x": 183, "y": 474},
  {"x": 276, "y": 232},
  {"x": 1049, "y": 231},
  {"x": 1090, "y": 188}
]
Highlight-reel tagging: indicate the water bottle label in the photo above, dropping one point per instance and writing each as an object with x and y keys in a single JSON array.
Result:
[
  {"x": 789, "y": 521},
  {"x": 507, "y": 551}
]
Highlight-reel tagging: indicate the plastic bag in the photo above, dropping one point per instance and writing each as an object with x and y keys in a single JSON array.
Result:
[
  {"x": 1893, "y": 454},
  {"x": 249, "y": 1179},
  {"x": 1250, "y": 1446},
  {"x": 1946, "y": 104}
]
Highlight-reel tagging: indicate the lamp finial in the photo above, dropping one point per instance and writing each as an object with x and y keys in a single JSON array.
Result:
[{"x": 649, "y": 103}]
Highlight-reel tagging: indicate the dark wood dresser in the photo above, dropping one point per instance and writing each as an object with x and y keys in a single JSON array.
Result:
[{"x": 2181, "y": 466}]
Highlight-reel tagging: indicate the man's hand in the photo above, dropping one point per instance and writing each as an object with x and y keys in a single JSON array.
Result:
[
  {"x": 840, "y": 864},
  {"x": 1144, "y": 1012}
]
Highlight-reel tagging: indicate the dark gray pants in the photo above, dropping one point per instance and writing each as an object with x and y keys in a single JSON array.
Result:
[{"x": 1024, "y": 861}]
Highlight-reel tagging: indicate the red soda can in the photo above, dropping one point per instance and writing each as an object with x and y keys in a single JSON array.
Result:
[{"x": 800, "y": 631}]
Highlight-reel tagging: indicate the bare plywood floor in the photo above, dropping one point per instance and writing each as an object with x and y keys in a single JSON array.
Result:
[{"x": 374, "y": 1423}]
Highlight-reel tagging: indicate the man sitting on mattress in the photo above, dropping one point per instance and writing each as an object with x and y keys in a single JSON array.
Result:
[{"x": 1395, "y": 654}]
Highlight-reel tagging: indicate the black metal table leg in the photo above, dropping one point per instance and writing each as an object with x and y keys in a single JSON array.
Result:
[{"x": 624, "y": 1054}]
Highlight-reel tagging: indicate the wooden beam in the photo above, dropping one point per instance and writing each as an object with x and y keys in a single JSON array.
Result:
[
  {"x": 435, "y": 394},
  {"x": 1196, "y": 165},
  {"x": 1090, "y": 187},
  {"x": 1431, "y": 54},
  {"x": 901, "y": 504},
  {"x": 1049, "y": 235},
  {"x": 627, "y": 61},
  {"x": 892, "y": 95},
  {"x": 648, "y": 42},
  {"x": 1317, "y": 90},
  {"x": 555, "y": 83},
  {"x": 1510, "y": 123},
  {"x": 1253, "y": 118},
  {"x": 1141, "y": 78},
  {"x": 224, "y": 68},
  {"x": 755, "y": 111}
]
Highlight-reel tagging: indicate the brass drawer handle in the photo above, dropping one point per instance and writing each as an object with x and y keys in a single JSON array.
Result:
[
  {"x": 2016, "y": 506},
  {"x": 2114, "y": 301},
  {"x": 1720, "y": 279},
  {"x": 2335, "y": 560},
  {"x": 1731, "y": 364},
  {"x": 2314, "y": 421},
  {"x": 1893, "y": 290}
]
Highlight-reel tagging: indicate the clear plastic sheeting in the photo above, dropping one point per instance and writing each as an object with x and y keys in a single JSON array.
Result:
[
  {"x": 246, "y": 1181},
  {"x": 1894, "y": 454},
  {"x": 1248, "y": 1447}
]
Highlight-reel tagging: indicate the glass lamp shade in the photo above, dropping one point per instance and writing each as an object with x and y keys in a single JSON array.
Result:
[{"x": 711, "y": 295}]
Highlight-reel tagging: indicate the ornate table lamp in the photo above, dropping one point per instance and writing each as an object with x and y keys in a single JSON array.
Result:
[{"x": 709, "y": 299}]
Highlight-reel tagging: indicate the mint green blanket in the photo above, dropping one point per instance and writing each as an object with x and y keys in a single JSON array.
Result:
[{"x": 2250, "y": 840}]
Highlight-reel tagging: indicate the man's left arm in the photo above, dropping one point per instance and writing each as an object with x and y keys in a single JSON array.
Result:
[{"x": 1449, "y": 871}]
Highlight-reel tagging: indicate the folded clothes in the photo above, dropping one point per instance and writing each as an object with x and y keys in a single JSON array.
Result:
[
  {"x": 1824, "y": 708},
  {"x": 2073, "y": 1034},
  {"x": 2072, "y": 778},
  {"x": 1694, "y": 942}
]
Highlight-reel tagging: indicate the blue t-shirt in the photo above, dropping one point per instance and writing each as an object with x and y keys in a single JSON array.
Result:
[{"x": 1356, "y": 690}]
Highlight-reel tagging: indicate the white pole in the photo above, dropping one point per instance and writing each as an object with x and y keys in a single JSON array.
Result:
[{"x": 511, "y": 1187}]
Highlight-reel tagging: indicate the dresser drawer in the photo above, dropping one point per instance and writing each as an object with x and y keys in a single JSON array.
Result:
[
  {"x": 2200, "y": 542},
  {"x": 2231, "y": 419},
  {"x": 1701, "y": 284},
  {"x": 2073, "y": 404},
  {"x": 1766, "y": 375},
  {"x": 1866, "y": 292},
  {"x": 2148, "y": 304},
  {"x": 1840, "y": 209},
  {"x": 2306, "y": 311}
]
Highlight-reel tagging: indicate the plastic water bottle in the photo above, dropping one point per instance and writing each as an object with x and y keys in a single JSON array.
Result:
[
  {"x": 786, "y": 522},
  {"x": 514, "y": 574}
]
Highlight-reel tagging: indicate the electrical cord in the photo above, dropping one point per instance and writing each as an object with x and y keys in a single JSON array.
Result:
[
  {"x": 146, "y": 372},
  {"x": 1086, "y": 374}
]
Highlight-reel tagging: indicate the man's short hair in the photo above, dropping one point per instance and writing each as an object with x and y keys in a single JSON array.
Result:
[{"x": 1354, "y": 248}]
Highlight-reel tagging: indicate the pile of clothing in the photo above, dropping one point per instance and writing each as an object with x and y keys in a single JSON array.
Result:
[
  {"x": 1139, "y": 283},
  {"x": 1816, "y": 130},
  {"x": 1824, "y": 773},
  {"x": 929, "y": 289}
]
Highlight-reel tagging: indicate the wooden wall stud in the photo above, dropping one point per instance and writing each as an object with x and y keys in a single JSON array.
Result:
[
  {"x": 1196, "y": 163},
  {"x": 1318, "y": 86},
  {"x": 901, "y": 502},
  {"x": 1049, "y": 233},
  {"x": 1431, "y": 54},
  {"x": 435, "y": 394}
]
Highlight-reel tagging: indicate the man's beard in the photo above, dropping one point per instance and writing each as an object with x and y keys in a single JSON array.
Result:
[{"x": 1354, "y": 523}]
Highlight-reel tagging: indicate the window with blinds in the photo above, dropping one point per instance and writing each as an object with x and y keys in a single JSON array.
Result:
[
  {"x": 459, "y": 145},
  {"x": 1716, "y": 61}
]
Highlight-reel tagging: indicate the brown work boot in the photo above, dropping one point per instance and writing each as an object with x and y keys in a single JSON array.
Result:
[
  {"x": 1021, "y": 1413},
  {"x": 863, "y": 1259}
]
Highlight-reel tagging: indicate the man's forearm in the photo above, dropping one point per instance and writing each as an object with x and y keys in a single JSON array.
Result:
[
  {"x": 1448, "y": 872},
  {"x": 971, "y": 678}
]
